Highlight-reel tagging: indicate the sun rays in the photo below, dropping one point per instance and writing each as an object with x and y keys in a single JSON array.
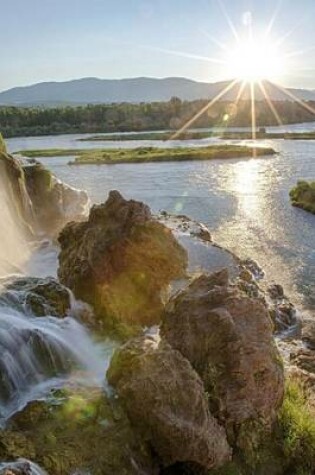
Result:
[{"x": 254, "y": 62}]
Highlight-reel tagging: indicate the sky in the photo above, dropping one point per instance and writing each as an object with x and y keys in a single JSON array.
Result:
[{"x": 57, "y": 40}]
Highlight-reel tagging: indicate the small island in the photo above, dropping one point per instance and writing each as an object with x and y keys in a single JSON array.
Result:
[
  {"x": 303, "y": 195},
  {"x": 163, "y": 136},
  {"x": 151, "y": 154}
]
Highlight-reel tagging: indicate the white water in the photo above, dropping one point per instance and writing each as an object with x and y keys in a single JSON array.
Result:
[
  {"x": 38, "y": 353},
  {"x": 24, "y": 465},
  {"x": 14, "y": 250}
]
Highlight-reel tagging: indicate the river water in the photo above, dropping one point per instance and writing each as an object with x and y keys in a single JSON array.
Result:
[{"x": 244, "y": 203}]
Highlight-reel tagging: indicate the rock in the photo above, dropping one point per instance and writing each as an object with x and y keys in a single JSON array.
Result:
[
  {"x": 21, "y": 467},
  {"x": 308, "y": 333},
  {"x": 275, "y": 291},
  {"x": 246, "y": 275},
  {"x": 253, "y": 267},
  {"x": 304, "y": 359},
  {"x": 56, "y": 435},
  {"x": 54, "y": 203},
  {"x": 227, "y": 337},
  {"x": 120, "y": 261},
  {"x": 41, "y": 297},
  {"x": 203, "y": 233},
  {"x": 165, "y": 400}
]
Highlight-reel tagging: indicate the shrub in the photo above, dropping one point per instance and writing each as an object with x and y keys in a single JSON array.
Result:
[{"x": 297, "y": 427}]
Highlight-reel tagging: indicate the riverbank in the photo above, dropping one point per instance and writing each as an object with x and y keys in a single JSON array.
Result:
[
  {"x": 268, "y": 135},
  {"x": 194, "y": 135},
  {"x": 151, "y": 154}
]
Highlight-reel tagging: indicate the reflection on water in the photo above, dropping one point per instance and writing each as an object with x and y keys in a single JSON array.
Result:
[
  {"x": 245, "y": 203},
  {"x": 244, "y": 183}
]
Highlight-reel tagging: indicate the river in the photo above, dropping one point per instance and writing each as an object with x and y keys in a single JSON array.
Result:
[{"x": 244, "y": 203}]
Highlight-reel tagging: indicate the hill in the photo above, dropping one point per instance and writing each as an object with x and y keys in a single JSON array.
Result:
[{"x": 101, "y": 91}]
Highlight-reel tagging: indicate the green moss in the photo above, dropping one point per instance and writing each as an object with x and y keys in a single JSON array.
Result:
[
  {"x": 297, "y": 426},
  {"x": 79, "y": 430},
  {"x": 152, "y": 154},
  {"x": 303, "y": 195}
]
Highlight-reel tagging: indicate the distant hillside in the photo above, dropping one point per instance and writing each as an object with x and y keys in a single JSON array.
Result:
[{"x": 102, "y": 91}]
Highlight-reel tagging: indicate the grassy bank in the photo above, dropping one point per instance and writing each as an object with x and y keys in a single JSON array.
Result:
[
  {"x": 303, "y": 196},
  {"x": 163, "y": 136},
  {"x": 151, "y": 154}
]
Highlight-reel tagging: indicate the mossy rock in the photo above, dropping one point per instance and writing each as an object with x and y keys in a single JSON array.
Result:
[{"x": 78, "y": 430}]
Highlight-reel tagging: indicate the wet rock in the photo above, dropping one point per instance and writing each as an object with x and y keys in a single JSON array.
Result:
[
  {"x": 21, "y": 467},
  {"x": 286, "y": 319},
  {"x": 120, "y": 261},
  {"x": 308, "y": 333},
  {"x": 304, "y": 359},
  {"x": 54, "y": 203},
  {"x": 40, "y": 297},
  {"x": 275, "y": 291},
  {"x": 165, "y": 400},
  {"x": 253, "y": 267},
  {"x": 56, "y": 436},
  {"x": 227, "y": 337},
  {"x": 246, "y": 275}
]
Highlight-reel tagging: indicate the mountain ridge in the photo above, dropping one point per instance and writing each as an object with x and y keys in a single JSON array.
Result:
[{"x": 93, "y": 90}]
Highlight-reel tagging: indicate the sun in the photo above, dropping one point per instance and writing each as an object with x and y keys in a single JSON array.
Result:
[{"x": 255, "y": 60}]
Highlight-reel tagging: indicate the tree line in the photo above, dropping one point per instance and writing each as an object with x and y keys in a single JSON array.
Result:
[{"x": 127, "y": 117}]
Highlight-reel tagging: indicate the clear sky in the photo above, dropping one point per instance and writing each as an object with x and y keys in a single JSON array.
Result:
[{"x": 56, "y": 40}]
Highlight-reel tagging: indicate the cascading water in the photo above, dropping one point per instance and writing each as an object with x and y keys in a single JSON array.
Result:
[
  {"x": 36, "y": 353},
  {"x": 14, "y": 249},
  {"x": 21, "y": 466}
]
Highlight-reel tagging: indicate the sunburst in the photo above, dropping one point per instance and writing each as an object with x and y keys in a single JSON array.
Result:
[{"x": 251, "y": 61}]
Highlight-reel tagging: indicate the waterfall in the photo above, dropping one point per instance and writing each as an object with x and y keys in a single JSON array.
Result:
[
  {"x": 14, "y": 249},
  {"x": 37, "y": 353}
]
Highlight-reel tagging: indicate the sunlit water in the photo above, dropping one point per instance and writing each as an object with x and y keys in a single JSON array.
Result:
[{"x": 245, "y": 203}]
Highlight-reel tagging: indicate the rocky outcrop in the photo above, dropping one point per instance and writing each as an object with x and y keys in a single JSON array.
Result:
[
  {"x": 227, "y": 337},
  {"x": 165, "y": 400},
  {"x": 54, "y": 203},
  {"x": 120, "y": 261},
  {"x": 39, "y": 297}
]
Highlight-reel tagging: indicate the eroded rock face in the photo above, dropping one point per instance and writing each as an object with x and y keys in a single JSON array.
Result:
[
  {"x": 227, "y": 337},
  {"x": 54, "y": 203},
  {"x": 120, "y": 261},
  {"x": 165, "y": 400}
]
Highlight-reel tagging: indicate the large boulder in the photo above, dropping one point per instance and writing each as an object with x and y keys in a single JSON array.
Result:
[
  {"x": 165, "y": 400},
  {"x": 227, "y": 337},
  {"x": 120, "y": 261},
  {"x": 54, "y": 203}
]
